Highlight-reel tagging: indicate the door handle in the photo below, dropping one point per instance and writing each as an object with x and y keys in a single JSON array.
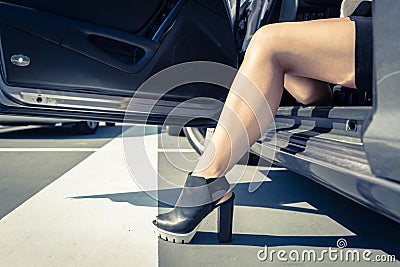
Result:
[{"x": 78, "y": 39}]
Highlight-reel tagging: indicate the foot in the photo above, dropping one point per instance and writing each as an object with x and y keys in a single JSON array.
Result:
[
  {"x": 229, "y": 193},
  {"x": 199, "y": 197}
]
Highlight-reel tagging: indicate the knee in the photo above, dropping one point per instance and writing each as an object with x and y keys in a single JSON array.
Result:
[
  {"x": 267, "y": 32},
  {"x": 266, "y": 44}
]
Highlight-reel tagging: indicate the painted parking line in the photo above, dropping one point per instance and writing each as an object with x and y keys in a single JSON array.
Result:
[
  {"x": 48, "y": 149},
  {"x": 6, "y": 129},
  {"x": 72, "y": 222},
  {"x": 177, "y": 150}
]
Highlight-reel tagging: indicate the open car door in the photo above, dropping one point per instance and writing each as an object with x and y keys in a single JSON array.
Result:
[{"x": 86, "y": 59}]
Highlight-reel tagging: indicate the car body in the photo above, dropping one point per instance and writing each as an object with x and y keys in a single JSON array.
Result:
[{"x": 84, "y": 60}]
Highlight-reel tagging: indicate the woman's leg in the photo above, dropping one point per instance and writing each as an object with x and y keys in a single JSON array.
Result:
[
  {"x": 308, "y": 91},
  {"x": 321, "y": 50}
]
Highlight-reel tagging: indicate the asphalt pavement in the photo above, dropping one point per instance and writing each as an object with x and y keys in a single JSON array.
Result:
[
  {"x": 31, "y": 157},
  {"x": 71, "y": 200}
]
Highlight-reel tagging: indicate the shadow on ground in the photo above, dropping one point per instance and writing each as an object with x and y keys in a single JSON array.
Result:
[
  {"x": 372, "y": 230},
  {"x": 68, "y": 133}
]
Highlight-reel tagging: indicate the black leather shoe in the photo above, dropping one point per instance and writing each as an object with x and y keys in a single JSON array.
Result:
[{"x": 198, "y": 198}]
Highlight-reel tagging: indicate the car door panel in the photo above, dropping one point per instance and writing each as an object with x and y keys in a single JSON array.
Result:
[
  {"x": 126, "y": 15},
  {"x": 85, "y": 39},
  {"x": 70, "y": 55},
  {"x": 19, "y": 16}
]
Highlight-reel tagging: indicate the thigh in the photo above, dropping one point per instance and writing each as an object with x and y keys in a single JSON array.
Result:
[
  {"x": 321, "y": 50},
  {"x": 308, "y": 91}
]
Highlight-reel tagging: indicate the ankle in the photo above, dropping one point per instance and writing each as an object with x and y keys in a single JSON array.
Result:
[
  {"x": 211, "y": 175},
  {"x": 208, "y": 174}
]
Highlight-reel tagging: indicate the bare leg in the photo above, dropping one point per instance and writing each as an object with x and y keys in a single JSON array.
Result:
[
  {"x": 308, "y": 91},
  {"x": 320, "y": 50}
]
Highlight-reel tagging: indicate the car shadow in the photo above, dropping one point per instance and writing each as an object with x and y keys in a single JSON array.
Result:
[
  {"x": 372, "y": 230},
  {"x": 67, "y": 133}
]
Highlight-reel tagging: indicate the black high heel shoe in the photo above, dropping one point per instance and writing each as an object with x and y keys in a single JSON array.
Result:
[{"x": 199, "y": 198}]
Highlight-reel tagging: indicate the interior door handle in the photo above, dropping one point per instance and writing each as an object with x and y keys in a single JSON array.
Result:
[{"x": 77, "y": 39}]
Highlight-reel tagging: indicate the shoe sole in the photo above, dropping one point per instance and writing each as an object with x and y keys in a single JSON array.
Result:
[{"x": 174, "y": 237}]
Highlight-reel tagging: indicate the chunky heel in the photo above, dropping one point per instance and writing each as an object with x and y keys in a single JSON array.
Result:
[{"x": 225, "y": 219}]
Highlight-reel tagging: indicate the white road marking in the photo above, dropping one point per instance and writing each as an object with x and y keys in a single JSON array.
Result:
[
  {"x": 87, "y": 217},
  {"x": 173, "y": 150},
  {"x": 48, "y": 149},
  {"x": 6, "y": 129}
]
